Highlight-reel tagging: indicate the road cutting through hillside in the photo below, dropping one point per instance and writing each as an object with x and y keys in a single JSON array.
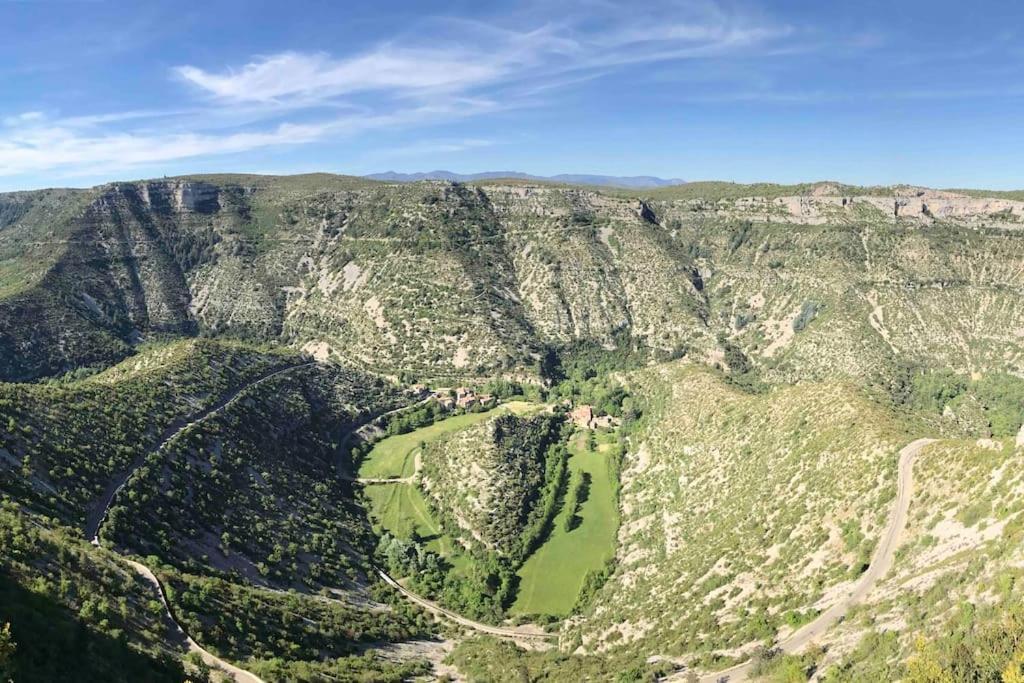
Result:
[
  {"x": 210, "y": 659},
  {"x": 881, "y": 561},
  {"x": 499, "y": 631},
  {"x": 99, "y": 515}
]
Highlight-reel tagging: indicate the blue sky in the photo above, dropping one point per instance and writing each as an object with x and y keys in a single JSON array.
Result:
[{"x": 866, "y": 92}]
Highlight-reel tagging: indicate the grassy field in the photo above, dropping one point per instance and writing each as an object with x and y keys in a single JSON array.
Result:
[
  {"x": 393, "y": 457},
  {"x": 400, "y": 509},
  {"x": 550, "y": 580}
]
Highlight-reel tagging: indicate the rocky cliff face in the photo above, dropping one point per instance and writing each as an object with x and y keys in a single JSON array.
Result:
[{"x": 443, "y": 280}]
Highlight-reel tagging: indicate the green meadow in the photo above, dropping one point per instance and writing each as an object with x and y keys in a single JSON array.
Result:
[
  {"x": 394, "y": 456},
  {"x": 551, "y": 578},
  {"x": 401, "y": 510}
]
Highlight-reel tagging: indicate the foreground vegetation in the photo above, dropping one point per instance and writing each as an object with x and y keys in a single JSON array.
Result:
[
  {"x": 232, "y": 514},
  {"x": 60, "y": 595}
]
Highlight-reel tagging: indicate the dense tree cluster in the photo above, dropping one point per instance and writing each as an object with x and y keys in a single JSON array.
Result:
[
  {"x": 996, "y": 399},
  {"x": 59, "y": 595}
]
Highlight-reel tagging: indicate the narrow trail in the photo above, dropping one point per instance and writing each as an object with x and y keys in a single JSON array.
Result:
[
  {"x": 210, "y": 659},
  {"x": 99, "y": 514},
  {"x": 881, "y": 562},
  {"x": 341, "y": 462}
]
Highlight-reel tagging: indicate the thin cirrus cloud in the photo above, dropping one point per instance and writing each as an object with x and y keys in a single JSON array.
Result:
[
  {"x": 293, "y": 98},
  {"x": 502, "y": 57},
  {"x": 315, "y": 76},
  {"x": 70, "y": 150}
]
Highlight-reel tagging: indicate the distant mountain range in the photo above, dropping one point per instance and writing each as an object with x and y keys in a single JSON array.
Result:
[{"x": 569, "y": 178}]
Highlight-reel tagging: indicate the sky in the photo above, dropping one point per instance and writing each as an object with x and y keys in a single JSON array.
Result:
[{"x": 867, "y": 92}]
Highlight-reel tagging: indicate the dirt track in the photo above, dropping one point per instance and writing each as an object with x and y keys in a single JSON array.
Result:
[
  {"x": 211, "y": 660},
  {"x": 881, "y": 561},
  {"x": 99, "y": 514},
  {"x": 501, "y": 632}
]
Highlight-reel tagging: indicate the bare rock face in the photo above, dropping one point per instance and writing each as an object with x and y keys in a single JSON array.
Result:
[
  {"x": 197, "y": 197},
  {"x": 179, "y": 196},
  {"x": 1020, "y": 437},
  {"x": 827, "y": 203}
]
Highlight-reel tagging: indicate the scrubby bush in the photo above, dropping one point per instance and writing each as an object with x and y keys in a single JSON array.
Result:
[{"x": 808, "y": 312}]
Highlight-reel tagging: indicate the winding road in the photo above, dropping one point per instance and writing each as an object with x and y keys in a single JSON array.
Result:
[
  {"x": 881, "y": 561},
  {"x": 99, "y": 512},
  {"x": 210, "y": 659},
  {"x": 98, "y": 515},
  {"x": 499, "y": 631}
]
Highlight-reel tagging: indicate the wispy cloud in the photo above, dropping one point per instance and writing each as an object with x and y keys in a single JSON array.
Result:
[
  {"x": 314, "y": 77},
  {"x": 23, "y": 118},
  {"x": 486, "y": 56},
  {"x": 453, "y": 69},
  {"x": 71, "y": 151}
]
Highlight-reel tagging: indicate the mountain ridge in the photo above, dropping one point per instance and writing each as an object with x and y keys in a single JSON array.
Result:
[{"x": 632, "y": 182}]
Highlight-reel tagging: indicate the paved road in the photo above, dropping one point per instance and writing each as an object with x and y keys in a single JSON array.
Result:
[
  {"x": 499, "y": 631},
  {"x": 881, "y": 561},
  {"x": 100, "y": 512},
  {"x": 342, "y": 461}
]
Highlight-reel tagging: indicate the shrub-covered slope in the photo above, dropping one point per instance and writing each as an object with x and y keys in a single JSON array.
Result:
[
  {"x": 231, "y": 512},
  {"x": 498, "y": 481},
  {"x": 957, "y": 579},
  {"x": 76, "y": 613},
  {"x": 741, "y": 513},
  {"x": 62, "y": 443},
  {"x": 444, "y": 280}
]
